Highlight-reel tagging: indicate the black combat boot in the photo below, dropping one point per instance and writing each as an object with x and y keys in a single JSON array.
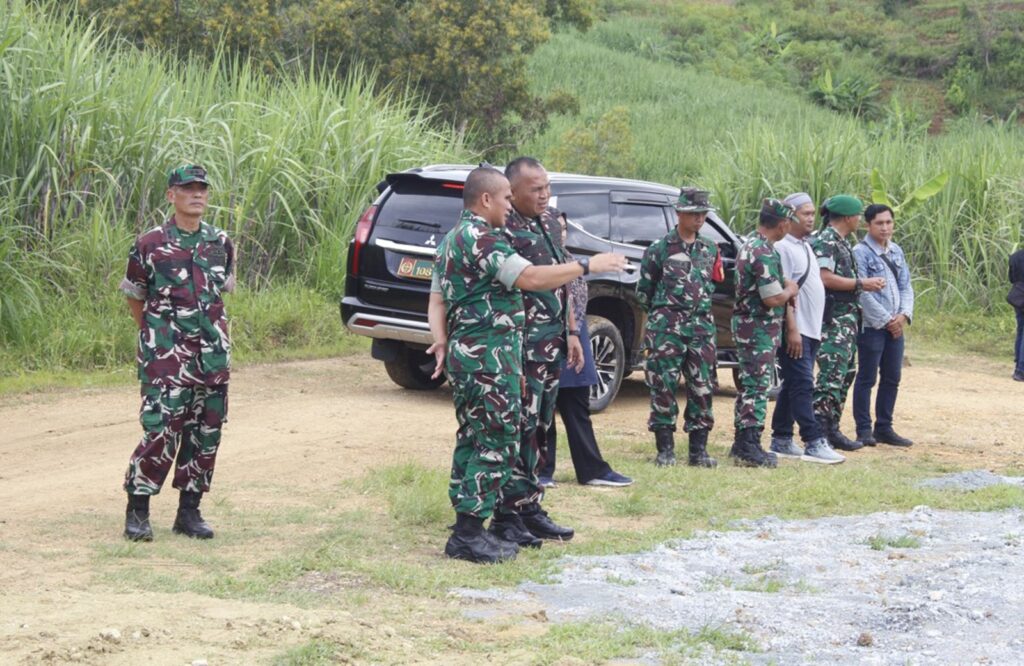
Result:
[
  {"x": 536, "y": 520},
  {"x": 835, "y": 436},
  {"x": 509, "y": 527},
  {"x": 664, "y": 440},
  {"x": 136, "y": 521},
  {"x": 189, "y": 521},
  {"x": 747, "y": 451},
  {"x": 889, "y": 436},
  {"x": 470, "y": 542},
  {"x": 699, "y": 450}
]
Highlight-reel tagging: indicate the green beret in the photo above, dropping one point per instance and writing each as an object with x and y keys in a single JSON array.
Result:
[{"x": 844, "y": 205}]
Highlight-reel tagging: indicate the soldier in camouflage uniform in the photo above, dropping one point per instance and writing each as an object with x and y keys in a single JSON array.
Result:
[
  {"x": 677, "y": 276},
  {"x": 477, "y": 320},
  {"x": 761, "y": 296},
  {"x": 836, "y": 368},
  {"x": 175, "y": 277},
  {"x": 550, "y": 335}
]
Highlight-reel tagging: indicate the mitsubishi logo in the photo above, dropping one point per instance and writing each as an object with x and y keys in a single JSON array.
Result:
[{"x": 431, "y": 241}]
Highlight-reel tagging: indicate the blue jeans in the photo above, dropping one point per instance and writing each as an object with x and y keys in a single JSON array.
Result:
[
  {"x": 879, "y": 353},
  {"x": 1018, "y": 348},
  {"x": 796, "y": 399}
]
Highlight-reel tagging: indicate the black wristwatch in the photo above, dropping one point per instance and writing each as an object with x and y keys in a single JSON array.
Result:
[
  {"x": 585, "y": 263},
  {"x": 574, "y": 331}
]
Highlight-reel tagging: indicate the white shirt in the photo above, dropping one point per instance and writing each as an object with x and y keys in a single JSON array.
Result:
[{"x": 797, "y": 259}]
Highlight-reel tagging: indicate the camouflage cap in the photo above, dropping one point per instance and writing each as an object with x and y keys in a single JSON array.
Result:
[
  {"x": 693, "y": 200},
  {"x": 778, "y": 209},
  {"x": 189, "y": 173}
]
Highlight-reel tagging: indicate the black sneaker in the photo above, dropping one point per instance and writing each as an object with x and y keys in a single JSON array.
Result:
[
  {"x": 541, "y": 526},
  {"x": 1018, "y": 376},
  {"x": 891, "y": 438},
  {"x": 866, "y": 438},
  {"x": 509, "y": 527},
  {"x": 480, "y": 548}
]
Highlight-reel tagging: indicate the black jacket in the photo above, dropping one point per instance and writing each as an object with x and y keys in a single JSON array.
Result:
[{"x": 1017, "y": 266}]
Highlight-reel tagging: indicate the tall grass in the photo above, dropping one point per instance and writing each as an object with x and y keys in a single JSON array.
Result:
[
  {"x": 90, "y": 132},
  {"x": 747, "y": 141}
]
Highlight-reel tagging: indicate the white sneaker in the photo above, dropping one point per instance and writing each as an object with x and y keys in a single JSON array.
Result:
[
  {"x": 785, "y": 448},
  {"x": 819, "y": 451}
]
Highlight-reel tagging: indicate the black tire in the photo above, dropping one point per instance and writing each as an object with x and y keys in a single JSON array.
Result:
[
  {"x": 411, "y": 369},
  {"x": 610, "y": 359},
  {"x": 776, "y": 386}
]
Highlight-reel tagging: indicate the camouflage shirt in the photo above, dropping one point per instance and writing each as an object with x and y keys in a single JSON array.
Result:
[
  {"x": 475, "y": 272},
  {"x": 546, "y": 319},
  {"x": 834, "y": 253},
  {"x": 180, "y": 277},
  {"x": 676, "y": 284},
  {"x": 759, "y": 276}
]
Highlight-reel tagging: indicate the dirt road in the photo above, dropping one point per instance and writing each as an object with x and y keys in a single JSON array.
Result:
[{"x": 296, "y": 429}]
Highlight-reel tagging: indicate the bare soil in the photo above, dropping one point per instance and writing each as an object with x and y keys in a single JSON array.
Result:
[{"x": 296, "y": 429}]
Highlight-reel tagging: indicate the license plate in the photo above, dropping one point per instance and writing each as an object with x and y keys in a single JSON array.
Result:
[{"x": 417, "y": 269}]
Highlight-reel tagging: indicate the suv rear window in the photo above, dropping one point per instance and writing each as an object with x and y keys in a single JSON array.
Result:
[
  {"x": 422, "y": 206},
  {"x": 590, "y": 211}
]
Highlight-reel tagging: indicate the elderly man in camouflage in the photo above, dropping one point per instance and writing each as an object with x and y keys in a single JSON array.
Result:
[
  {"x": 677, "y": 276},
  {"x": 550, "y": 334},
  {"x": 174, "y": 281},
  {"x": 841, "y": 319},
  {"x": 477, "y": 320},
  {"x": 761, "y": 297}
]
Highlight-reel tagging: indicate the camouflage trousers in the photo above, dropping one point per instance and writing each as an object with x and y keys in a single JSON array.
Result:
[
  {"x": 177, "y": 419},
  {"x": 755, "y": 350},
  {"x": 539, "y": 401},
  {"x": 836, "y": 367},
  {"x": 488, "y": 408},
  {"x": 669, "y": 356}
]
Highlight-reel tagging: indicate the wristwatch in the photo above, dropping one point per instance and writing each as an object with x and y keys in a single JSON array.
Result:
[
  {"x": 574, "y": 331},
  {"x": 858, "y": 286},
  {"x": 585, "y": 263}
]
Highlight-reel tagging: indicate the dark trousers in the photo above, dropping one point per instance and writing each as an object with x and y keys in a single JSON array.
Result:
[
  {"x": 574, "y": 408},
  {"x": 1018, "y": 348},
  {"x": 796, "y": 398},
  {"x": 879, "y": 354}
]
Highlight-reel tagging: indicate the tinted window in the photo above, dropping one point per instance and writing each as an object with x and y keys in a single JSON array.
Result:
[
  {"x": 590, "y": 211},
  {"x": 435, "y": 209},
  {"x": 638, "y": 225}
]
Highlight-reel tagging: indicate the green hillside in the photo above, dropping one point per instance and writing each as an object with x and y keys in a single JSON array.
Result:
[{"x": 750, "y": 139}]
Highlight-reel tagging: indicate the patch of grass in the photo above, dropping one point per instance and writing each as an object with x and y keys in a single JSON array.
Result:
[
  {"x": 317, "y": 652},
  {"x": 415, "y": 495},
  {"x": 881, "y": 542},
  {"x": 620, "y": 581},
  {"x": 763, "y": 583},
  {"x": 726, "y": 639}
]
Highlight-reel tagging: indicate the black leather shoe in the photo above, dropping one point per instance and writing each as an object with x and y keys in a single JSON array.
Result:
[
  {"x": 480, "y": 548},
  {"x": 891, "y": 438},
  {"x": 136, "y": 526},
  {"x": 509, "y": 527},
  {"x": 539, "y": 525},
  {"x": 866, "y": 438},
  {"x": 835, "y": 436},
  {"x": 189, "y": 521}
]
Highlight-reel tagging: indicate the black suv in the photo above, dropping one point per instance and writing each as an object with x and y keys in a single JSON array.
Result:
[{"x": 390, "y": 262}]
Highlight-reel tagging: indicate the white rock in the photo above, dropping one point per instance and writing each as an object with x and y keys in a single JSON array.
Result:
[
  {"x": 199, "y": 662},
  {"x": 936, "y": 595},
  {"x": 112, "y": 635}
]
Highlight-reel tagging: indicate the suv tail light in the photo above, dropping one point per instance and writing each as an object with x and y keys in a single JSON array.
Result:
[{"x": 362, "y": 235}]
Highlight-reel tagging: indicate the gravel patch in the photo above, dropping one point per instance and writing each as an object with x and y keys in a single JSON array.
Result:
[
  {"x": 972, "y": 480},
  {"x": 922, "y": 587}
]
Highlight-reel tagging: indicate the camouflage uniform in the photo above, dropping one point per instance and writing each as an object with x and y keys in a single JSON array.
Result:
[
  {"x": 756, "y": 328},
  {"x": 676, "y": 283},
  {"x": 836, "y": 368},
  {"x": 183, "y": 353},
  {"x": 544, "y": 350},
  {"x": 475, "y": 271}
]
